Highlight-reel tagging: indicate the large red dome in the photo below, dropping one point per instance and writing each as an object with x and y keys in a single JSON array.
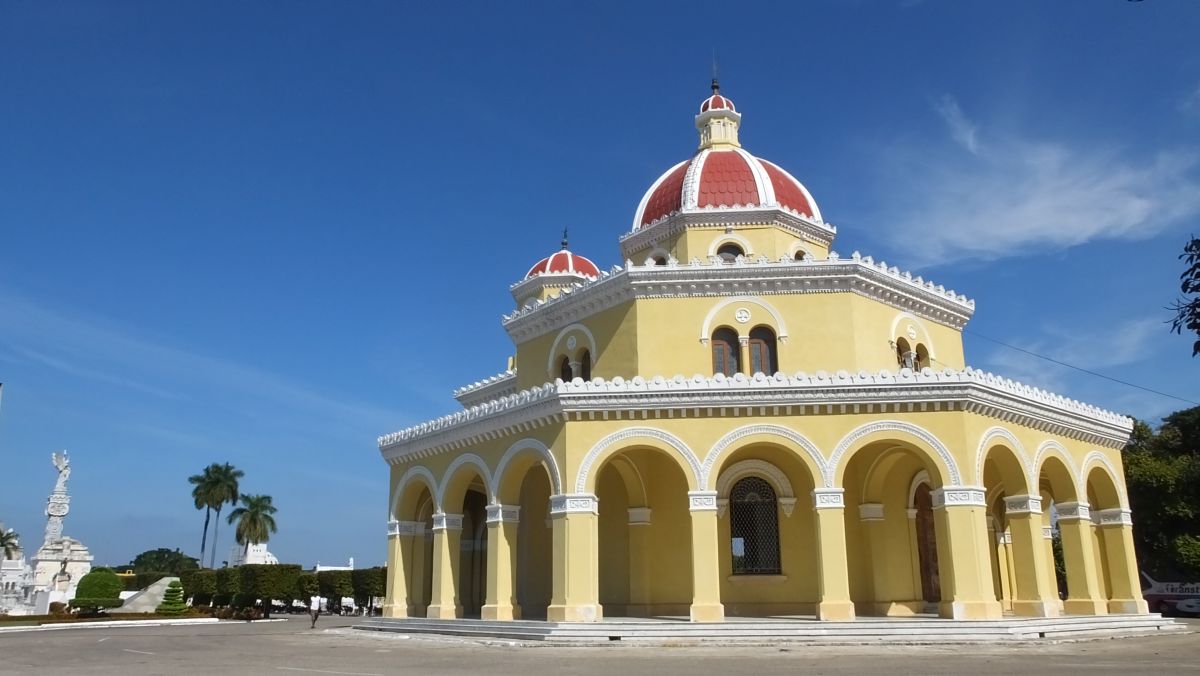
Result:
[{"x": 723, "y": 178}]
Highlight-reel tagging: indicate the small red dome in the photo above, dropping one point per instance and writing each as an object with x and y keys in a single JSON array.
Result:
[
  {"x": 564, "y": 263},
  {"x": 717, "y": 102}
]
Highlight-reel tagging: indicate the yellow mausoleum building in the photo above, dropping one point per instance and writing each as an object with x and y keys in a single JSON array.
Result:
[{"x": 826, "y": 452}]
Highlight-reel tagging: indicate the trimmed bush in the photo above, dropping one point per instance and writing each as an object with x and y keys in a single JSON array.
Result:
[
  {"x": 200, "y": 585},
  {"x": 334, "y": 584},
  {"x": 307, "y": 587},
  {"x": 97, "y": 590},
  {"x": 369, "y": 584},
  {"x": 172, "y": 603}
]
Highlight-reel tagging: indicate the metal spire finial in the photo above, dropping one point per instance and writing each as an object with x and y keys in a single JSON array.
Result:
[
  {"x": 716, "y": 86},
  {"x": 564, "y": 239}
]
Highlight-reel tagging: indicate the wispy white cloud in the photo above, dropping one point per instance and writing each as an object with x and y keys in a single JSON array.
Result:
[
  {"x": 964, "y": 132},
  {"x": 1012, "y": 196},
  {"x": 94, "y": 349}
]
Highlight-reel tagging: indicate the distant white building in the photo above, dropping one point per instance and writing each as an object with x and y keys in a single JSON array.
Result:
[
  {"x": 252, "y": 554},
  {"x": 350, "y": 566}
]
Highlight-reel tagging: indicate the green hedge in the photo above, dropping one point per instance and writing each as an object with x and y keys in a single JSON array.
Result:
[
  {"x": 140, "y": 581},
  {"x": 264, "y": 583},
  {"x": 172, "y": 603},
  {"x": 99, "y": 589},
  {"x": 307, "y": 587},
  {"x": 368, "y": 583},
  {"x": 334, "y": 584}
]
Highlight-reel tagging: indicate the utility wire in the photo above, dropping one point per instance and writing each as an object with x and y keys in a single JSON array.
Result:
[{"x": 1077, "y": 368}]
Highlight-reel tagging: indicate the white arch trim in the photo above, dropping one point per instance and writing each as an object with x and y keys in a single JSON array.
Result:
[
  {"x": 466, "y": 459},
  {"x": 1043, "y": 451},
  {"x": 781, "y": 331},
  {"x": 674, "y": 443},
  {"x": 551, "y": 365},
  {"x": 731, "y": 238},
  {"x": 922, "y": 332},
  {"x": 1098, "y": 458},
  {"x": 405, "y": 479},
  {"x": 922, "y": 477},
  {"x": 954, "y": 478},
  {"x": 754, "y": 467},
  {"x": 740, "y": 433},
  {"x": 538, "y": 447},
  {"x": 989, "y": 439},
  {"x": 657, "y": 252}
]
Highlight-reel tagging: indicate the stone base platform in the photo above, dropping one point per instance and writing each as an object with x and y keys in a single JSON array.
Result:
[{"x": 776, "y": 630}]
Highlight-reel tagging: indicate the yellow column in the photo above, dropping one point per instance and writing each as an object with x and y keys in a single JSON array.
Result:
[
  {"x": 1036, "y": 590},
  {"x": 744, "y": 352},
  {"x": 447, "y": 538},
  {"x": 1004, "y": 564},
  {"x": 1083, "y": 587},
  {"x": 397, "y": 601},
  {"x": 639, "y": 561},
  {"x": 870, "y": 514},
  {"x": 501, "y": 601},
  {"x": 1012, "y": 566},
  {"x": 576, "y": 585},
  {"x": 914, "y": 562},
  {"x": 706, "y": 568},
  {"x": 833, "y": 576},
  {"x": 960, "y": 517},
  {"x": 1117, "y": 525}
]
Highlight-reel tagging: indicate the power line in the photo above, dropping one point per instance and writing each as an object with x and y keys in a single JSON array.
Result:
[{"x": 1081, "y": 369}]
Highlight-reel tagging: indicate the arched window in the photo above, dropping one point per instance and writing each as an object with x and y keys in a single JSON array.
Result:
[
  {"x": 725, "y": 352},
  {"x": 800, "y": 255},
  {"x": 763, "y": 356},
  {"x": 585, "y": 365},
  {"x": 730, "y": 252},
  {"x": 905, "y": 357},
  {"x": 754, "y": 527},
  {"x": 922, "y": 356},
  {"x": 659, "y": 260},
  {"x": 564, "y": 370}
]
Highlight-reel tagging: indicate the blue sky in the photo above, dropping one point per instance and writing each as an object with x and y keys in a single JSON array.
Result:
[{"x": 267, "y": 233}]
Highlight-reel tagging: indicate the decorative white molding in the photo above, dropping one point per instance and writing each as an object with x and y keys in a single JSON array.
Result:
[
  {"x": 870, "y": 511},
  {"x": 842, "y": 392},
  {"x": 1047, "y": 533},
  {"x": 779, "y": 325},
  {"x": 1114, "y": 517},
  {"x": 754, "y": 276},
  {"x": 829, "y": 498},
  {"x": 911, "y": 513},
  {"x": 443, "y": 521},
  {"x": 503, "y": 513},
  {"x": 1004, "y": 538},
  {"x": 414, "y": 473},
  {"x": 722, "y": 506},
  {"x": 731, "y": 438},
  {"x": 811, "y": 229},
  {"x": 616, "y": 438},
  {"x": 487, "y": 389},
  {"x": 959, "y": 496},
  {"x": 1073, "y": 511},
  {"x": 1022, "y": 504},
  {"x": 529, "y": 444},
  {"x": 1114, "y": 475},
  {"x": 787, "y": 505},
  {"x": 406, "y": 528},
  {"x": 919, "y": 478},
  {"x": 555, "y": 355},
  {"x": 1051, "y": 448},
  {"x": 639, "y": 516},
  {"x": 702, "y": 501},
  {"x": 988, "y": 440},
  {"x": 954, "y": 477},
  {"x": 759, "y": 468},
  {"x": 574, "y": 503}
]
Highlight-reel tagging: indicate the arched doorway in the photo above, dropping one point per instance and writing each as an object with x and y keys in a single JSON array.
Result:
[
  {"x": 472, "y": 567},
  {"x": 926, "y": 535}
]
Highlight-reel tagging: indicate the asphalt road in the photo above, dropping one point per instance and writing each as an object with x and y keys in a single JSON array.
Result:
[{"x": 283, "y": 648}]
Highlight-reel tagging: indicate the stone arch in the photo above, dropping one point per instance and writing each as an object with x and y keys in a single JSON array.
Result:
[
  {"x": 794, "y": 441},
  {"x": 556, "y": 354},
  {"x": 926, "y": 443},
  {"x": 779, "y": 326},
  {"x": 419, "y": 473},
  {"x": 922, "y": 332},
  {"x": 1109, "y": 489},
  {"x": 646, "y": 436},
  {"x": 635, "y": 485},
  {"x": 526, "y": 446},
  {"x": 1009, "y": 462},
  {"x": 754, "y": 467},
  {"x": 451, "y": 475},
  {"x": 989, "y": 439},
  {"x": 731, "y": 238},
  {"x": 1067, "y": 480},
  {"x": 919, "y": 478}
]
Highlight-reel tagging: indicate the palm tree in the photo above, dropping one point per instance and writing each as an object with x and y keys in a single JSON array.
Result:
[
  {"x": 202, "y": 490},
  {"x": 254, "y": 521},
  {"x": 224, "y": 489},
  {"x": 9, "y": 543}
]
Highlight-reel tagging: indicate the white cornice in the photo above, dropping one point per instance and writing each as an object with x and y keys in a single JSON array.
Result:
[
  {"x": 487, "y": 389},
  {"x": 757, "y": 276},
  {"x": 722, "y": 217},
  {"x": 822, "y": 393}
]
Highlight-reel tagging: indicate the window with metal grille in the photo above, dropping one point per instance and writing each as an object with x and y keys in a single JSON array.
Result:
[{"x": 754, "y": 528}]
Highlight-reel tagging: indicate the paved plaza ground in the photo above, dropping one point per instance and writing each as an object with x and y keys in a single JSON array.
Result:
[{"x": 290, "y": 647}]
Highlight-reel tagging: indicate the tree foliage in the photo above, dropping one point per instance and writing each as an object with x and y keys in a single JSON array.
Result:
[
  {"x": 10, "y": 543},
  {"x": 163, "y": 560},
  {"x": 307, "y": 587},
  {"x": 263, "y": 583},
  {"x": 1187, "y": 308},
  {"x": 1162, "y": 474},
  {"x": 335, "y": 584},
  {"x": 368, "y": 583},
  {"x": 255, "y": 519},
  {"x": 101, "y": 588}
]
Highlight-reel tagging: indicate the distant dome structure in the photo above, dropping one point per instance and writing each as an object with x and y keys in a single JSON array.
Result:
[{"x": 560, "y": 270}]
